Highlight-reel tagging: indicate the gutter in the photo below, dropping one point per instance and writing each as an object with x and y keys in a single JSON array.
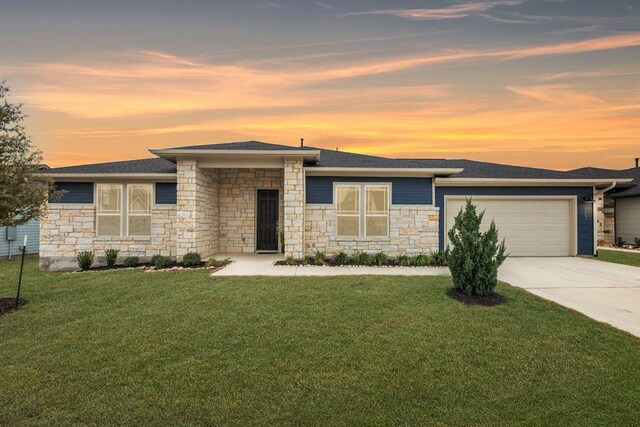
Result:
[{"x": 609, "y": 188}]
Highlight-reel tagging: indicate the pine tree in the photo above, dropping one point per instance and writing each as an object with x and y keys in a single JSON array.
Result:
[{"x": 475, "y": 256}]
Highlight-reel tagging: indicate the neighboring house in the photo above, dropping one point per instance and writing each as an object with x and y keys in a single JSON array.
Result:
[
  {"x": 12, "y": 238},
  {"x": 619, "y": 206},
  {"x": 237, "y": 197},
  {"x": 11, "y": 242}
]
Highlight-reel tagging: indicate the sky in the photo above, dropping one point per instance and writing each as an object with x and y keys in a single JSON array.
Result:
[{"x": 543, "y": 83}]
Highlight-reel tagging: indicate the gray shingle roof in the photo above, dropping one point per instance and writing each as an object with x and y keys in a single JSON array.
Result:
[
  {"x": 243, "y": 145},
  {"x": 630, "y": 189},
  {"x": 342, "y": 159},
  {"x": 152, "y": 166},
  {"x": 475, "y": 169}
]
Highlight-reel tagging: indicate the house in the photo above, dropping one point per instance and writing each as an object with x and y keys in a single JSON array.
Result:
[
  {"x": 240, "y": 196},
  {"x": 618, "y": 208},
  {"x": 12, "y": 238},
  {"x": 11, "y": 241}
]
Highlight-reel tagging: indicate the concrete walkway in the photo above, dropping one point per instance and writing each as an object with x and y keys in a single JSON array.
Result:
[
  {"x": 263, "y": 265},
  {"x": 601, "y": 290}
]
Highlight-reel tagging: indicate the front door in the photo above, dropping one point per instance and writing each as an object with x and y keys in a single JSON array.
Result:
[{"x": 267, "y": 217}]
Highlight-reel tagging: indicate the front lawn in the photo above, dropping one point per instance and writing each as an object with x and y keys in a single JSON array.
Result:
[
  {"x": 619, "y": 257},
  {"x": 128, "y": 347}
]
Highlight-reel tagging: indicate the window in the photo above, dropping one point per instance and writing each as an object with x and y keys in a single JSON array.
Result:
[
  {"x": 139, "y": 209},
  {"x": 348, "y": 210},
  {"x": 109, "y": 210},
  {"x": 372, "y": 210},
  {"x": 377, "y": 210}
]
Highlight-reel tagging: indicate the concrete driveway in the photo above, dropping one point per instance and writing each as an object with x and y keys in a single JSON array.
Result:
[{"x": 601, "y": 290}]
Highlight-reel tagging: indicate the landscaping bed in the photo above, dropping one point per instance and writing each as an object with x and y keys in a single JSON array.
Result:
[
  {"x": 8, "y": 303},
  {"x": 368, "y": 259},
  {"x": 190, "y": 261}
]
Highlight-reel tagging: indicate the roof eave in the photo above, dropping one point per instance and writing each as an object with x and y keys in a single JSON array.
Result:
[
  {"x": 87, "y": 176},
  {"x": 387, "y": 172},
  {"x": 174, "y": 154},
  {"x": 542, "y": 182}
]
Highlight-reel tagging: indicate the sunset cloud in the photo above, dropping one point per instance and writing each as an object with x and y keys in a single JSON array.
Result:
[{"x": 456, "y": 11}]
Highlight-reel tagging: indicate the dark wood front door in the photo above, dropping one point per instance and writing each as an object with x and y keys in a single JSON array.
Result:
[{"x": 267, "y": 233}]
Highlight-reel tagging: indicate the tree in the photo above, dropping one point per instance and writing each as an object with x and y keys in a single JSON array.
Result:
[
  {"x": 23, "y": 194},
  {"x": 475, "y": 256}
]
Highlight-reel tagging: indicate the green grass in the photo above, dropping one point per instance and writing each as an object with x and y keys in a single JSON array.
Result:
[
  {"x": 619, "y": 257},
  {"x": 130, "y": 347}
]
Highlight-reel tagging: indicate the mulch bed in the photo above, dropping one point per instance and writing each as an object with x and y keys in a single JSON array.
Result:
[
  {"x": 8, "y": 304},
  {"x": 489, "y": 300}
]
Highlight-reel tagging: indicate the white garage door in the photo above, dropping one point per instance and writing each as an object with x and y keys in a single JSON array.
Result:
[
  {"x": 531, "y": 227},
  {"x": 628, "y": 218}
]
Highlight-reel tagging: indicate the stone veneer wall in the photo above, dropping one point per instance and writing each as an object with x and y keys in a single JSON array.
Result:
[
  {"x": 413, "y": 229},
  {"x": 66, "y": 229},
  {"x": 606, "y": 219},
  {"x": 294, "y": 226},
  {"x": 197, "y": 204},
  {"x": 237, "y": 198}
]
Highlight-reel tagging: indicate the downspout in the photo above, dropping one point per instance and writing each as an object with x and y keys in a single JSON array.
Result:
[{"x": 595, "y": 218}]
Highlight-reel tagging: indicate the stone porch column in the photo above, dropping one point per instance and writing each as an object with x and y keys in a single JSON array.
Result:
[
  {"x": 186, "y": 207},
  {"x": 294, "y": 208}
]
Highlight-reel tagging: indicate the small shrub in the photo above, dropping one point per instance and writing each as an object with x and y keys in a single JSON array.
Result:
[
  {"x": 380, "y": 258},
  {"x": 319, "y": 257},
  {"x": 422, "y": 260},
  {"x": 160, "y": 262},
  {"x": 363, "y": 258},
  {"x": 282, "y": 241},
  {"x": 85, "y": 259},
  {"x": 131, "y": 261},
  {"x": 439, "y": 258},
  {"x": 404, "y": 260},
  {"x": 637, "y": 241},
  {"x": 111, "y": 255},
  {"x": 213, "y": 262},
  {"x": 341, "y": 258},
  {"x": 289, "y": 260},
  {"x": 191, "y": 259},
  {"x": 620, "y": 241},
  {"x": 475, "y": 255}
]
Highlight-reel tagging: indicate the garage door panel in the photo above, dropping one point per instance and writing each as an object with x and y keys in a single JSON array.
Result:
[
  {"x": 628, "y": 218},
  {"x": 540, "y": 227}
]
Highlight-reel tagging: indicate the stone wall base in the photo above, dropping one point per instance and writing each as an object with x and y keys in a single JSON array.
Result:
[{"x": 413, "y": 229}]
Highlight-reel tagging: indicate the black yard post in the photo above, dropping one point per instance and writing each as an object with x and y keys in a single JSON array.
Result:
[{"x": 24, "y": 249}]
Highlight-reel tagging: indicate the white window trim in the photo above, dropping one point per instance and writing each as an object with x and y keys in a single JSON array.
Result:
[
  {"x": 358, "y": 215},
  {"x": 124, "y": 208},
  {"x": 99, "y": 214},
  {"x": 127, "y": 214},
  {"x": 362, "y": 215}
]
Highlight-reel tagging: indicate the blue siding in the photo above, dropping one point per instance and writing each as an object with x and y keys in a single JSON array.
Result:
[
  {"x": 166, "y": 193},
  {"x": 76, "y": 192},
  {"x": 584, "y": 210},
  {"x": 32, "y": 229},
  {"x": 404, "y": 191}
]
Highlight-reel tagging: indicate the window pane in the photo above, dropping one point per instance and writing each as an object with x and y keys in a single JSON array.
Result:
[
  {"x": 377, "y": 226},
  {"x": 140, "y": 225},
  {"x": 348, "y": 199},
  {"x": 109, "y": 197},
  {"x": 348, "y": 226},
  {"x": 108, "y": 225},
  {"x": 377, "y": 200},
  {"x": 139, "y": 199}
]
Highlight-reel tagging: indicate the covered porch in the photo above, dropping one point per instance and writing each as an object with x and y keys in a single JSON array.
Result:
[{"x": 239, "y": 201}]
